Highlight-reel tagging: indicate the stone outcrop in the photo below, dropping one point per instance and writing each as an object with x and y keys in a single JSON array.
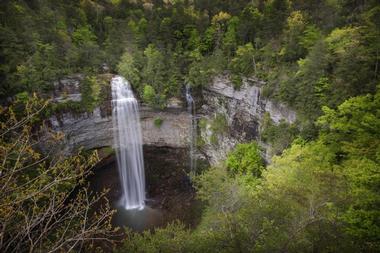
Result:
[
  {"x": 247, "y": 99},
  {"x": 92, "y": 130},
  {"x": 243, "y": 111},
  {"x": 68, "y": 89}
]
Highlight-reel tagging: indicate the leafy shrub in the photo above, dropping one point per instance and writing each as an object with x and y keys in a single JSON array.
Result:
[
  {"x": 202, "y": 123},
  {"x": 127, "y": 68},
  {"x": 158, "y": 122},
  {"x": 172, "y": 238},
  {"x": 50, "y": 187},
  {"x": 90, "y": 90},
  {"x": 219, "y": 125},
  {"x": 245, "y": 159},
  {"x": 278, "y": 136},
  {"x": 243, "y": 64},
  {"x": 152, "y": 98}
]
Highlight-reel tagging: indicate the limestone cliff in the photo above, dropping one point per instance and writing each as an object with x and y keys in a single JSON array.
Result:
[
  {"x": 226, "y": 117},
  {"x": 92, "y": 130},
  {"x": 242, "y": 111}
]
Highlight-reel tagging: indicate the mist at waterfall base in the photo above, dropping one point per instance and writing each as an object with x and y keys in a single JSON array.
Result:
[{"x": 128, "y": 144}]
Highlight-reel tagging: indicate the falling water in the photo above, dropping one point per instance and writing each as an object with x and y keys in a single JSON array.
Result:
[
  {"x": 128, "y": 143},
  {"x": 193, "y": 129}
]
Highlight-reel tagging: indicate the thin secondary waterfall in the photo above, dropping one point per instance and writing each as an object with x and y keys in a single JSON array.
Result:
[
  {"x": 128, "y": 143},
  {"x": 193, "y": 129}
]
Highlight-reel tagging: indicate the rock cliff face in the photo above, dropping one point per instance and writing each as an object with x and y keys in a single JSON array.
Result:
[
  {"x": 242, "y": 111},
  {"x": 226, "y": 117},
  {"x": 92, "y": 130},
  {"x": 68, "y": 89}
]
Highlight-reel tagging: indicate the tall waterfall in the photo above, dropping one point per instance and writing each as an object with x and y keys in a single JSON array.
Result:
[
  {"x": 193, "y": 122},
  {"x": 128, "y": 143}
]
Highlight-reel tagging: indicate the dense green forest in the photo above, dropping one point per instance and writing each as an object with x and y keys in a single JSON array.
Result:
[{"x": 321, "y": 58}]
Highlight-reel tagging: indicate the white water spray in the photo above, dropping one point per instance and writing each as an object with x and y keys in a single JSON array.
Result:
[
  {"x": 128, "y": 143},
  {"x": 193, "y": 129}
]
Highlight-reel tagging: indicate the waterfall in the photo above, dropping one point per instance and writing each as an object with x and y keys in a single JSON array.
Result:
[
  {"x": 193, "y": 129},
  {"x": 128, "y": 143}
]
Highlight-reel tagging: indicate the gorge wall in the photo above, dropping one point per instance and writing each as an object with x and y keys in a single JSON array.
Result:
[
  {"x": 94, "y": 130},
  {"x": 225, "y": 116},
  {"x": 241, "y": 111}
]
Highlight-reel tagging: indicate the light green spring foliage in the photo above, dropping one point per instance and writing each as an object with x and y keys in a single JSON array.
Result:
[
  {"x": 149, "y": 94},
  {"x": 90, "y": 90},
  {"x": 318, "y": 196},
  {"x": 243, "y": 64},
  {"x": 152, "y": 98},
  {"x": 352, "y": 129},
  {"x": 127, "y": 68},
  {"x": 218, "y": 127},
  {"x": 158, "y": 122},
  {"x": 353, "y": 132},
  {"x": 245, "y": 159},
  {"x": 278, "y": 136},
  {"x": 170, "y": 239},
  {"x": 154, "y": 71}
]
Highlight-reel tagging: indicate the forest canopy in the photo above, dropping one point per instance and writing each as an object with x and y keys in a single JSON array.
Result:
[
  {"x": 320, "y": 192},
  {"x": 311, "y": 53}
]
